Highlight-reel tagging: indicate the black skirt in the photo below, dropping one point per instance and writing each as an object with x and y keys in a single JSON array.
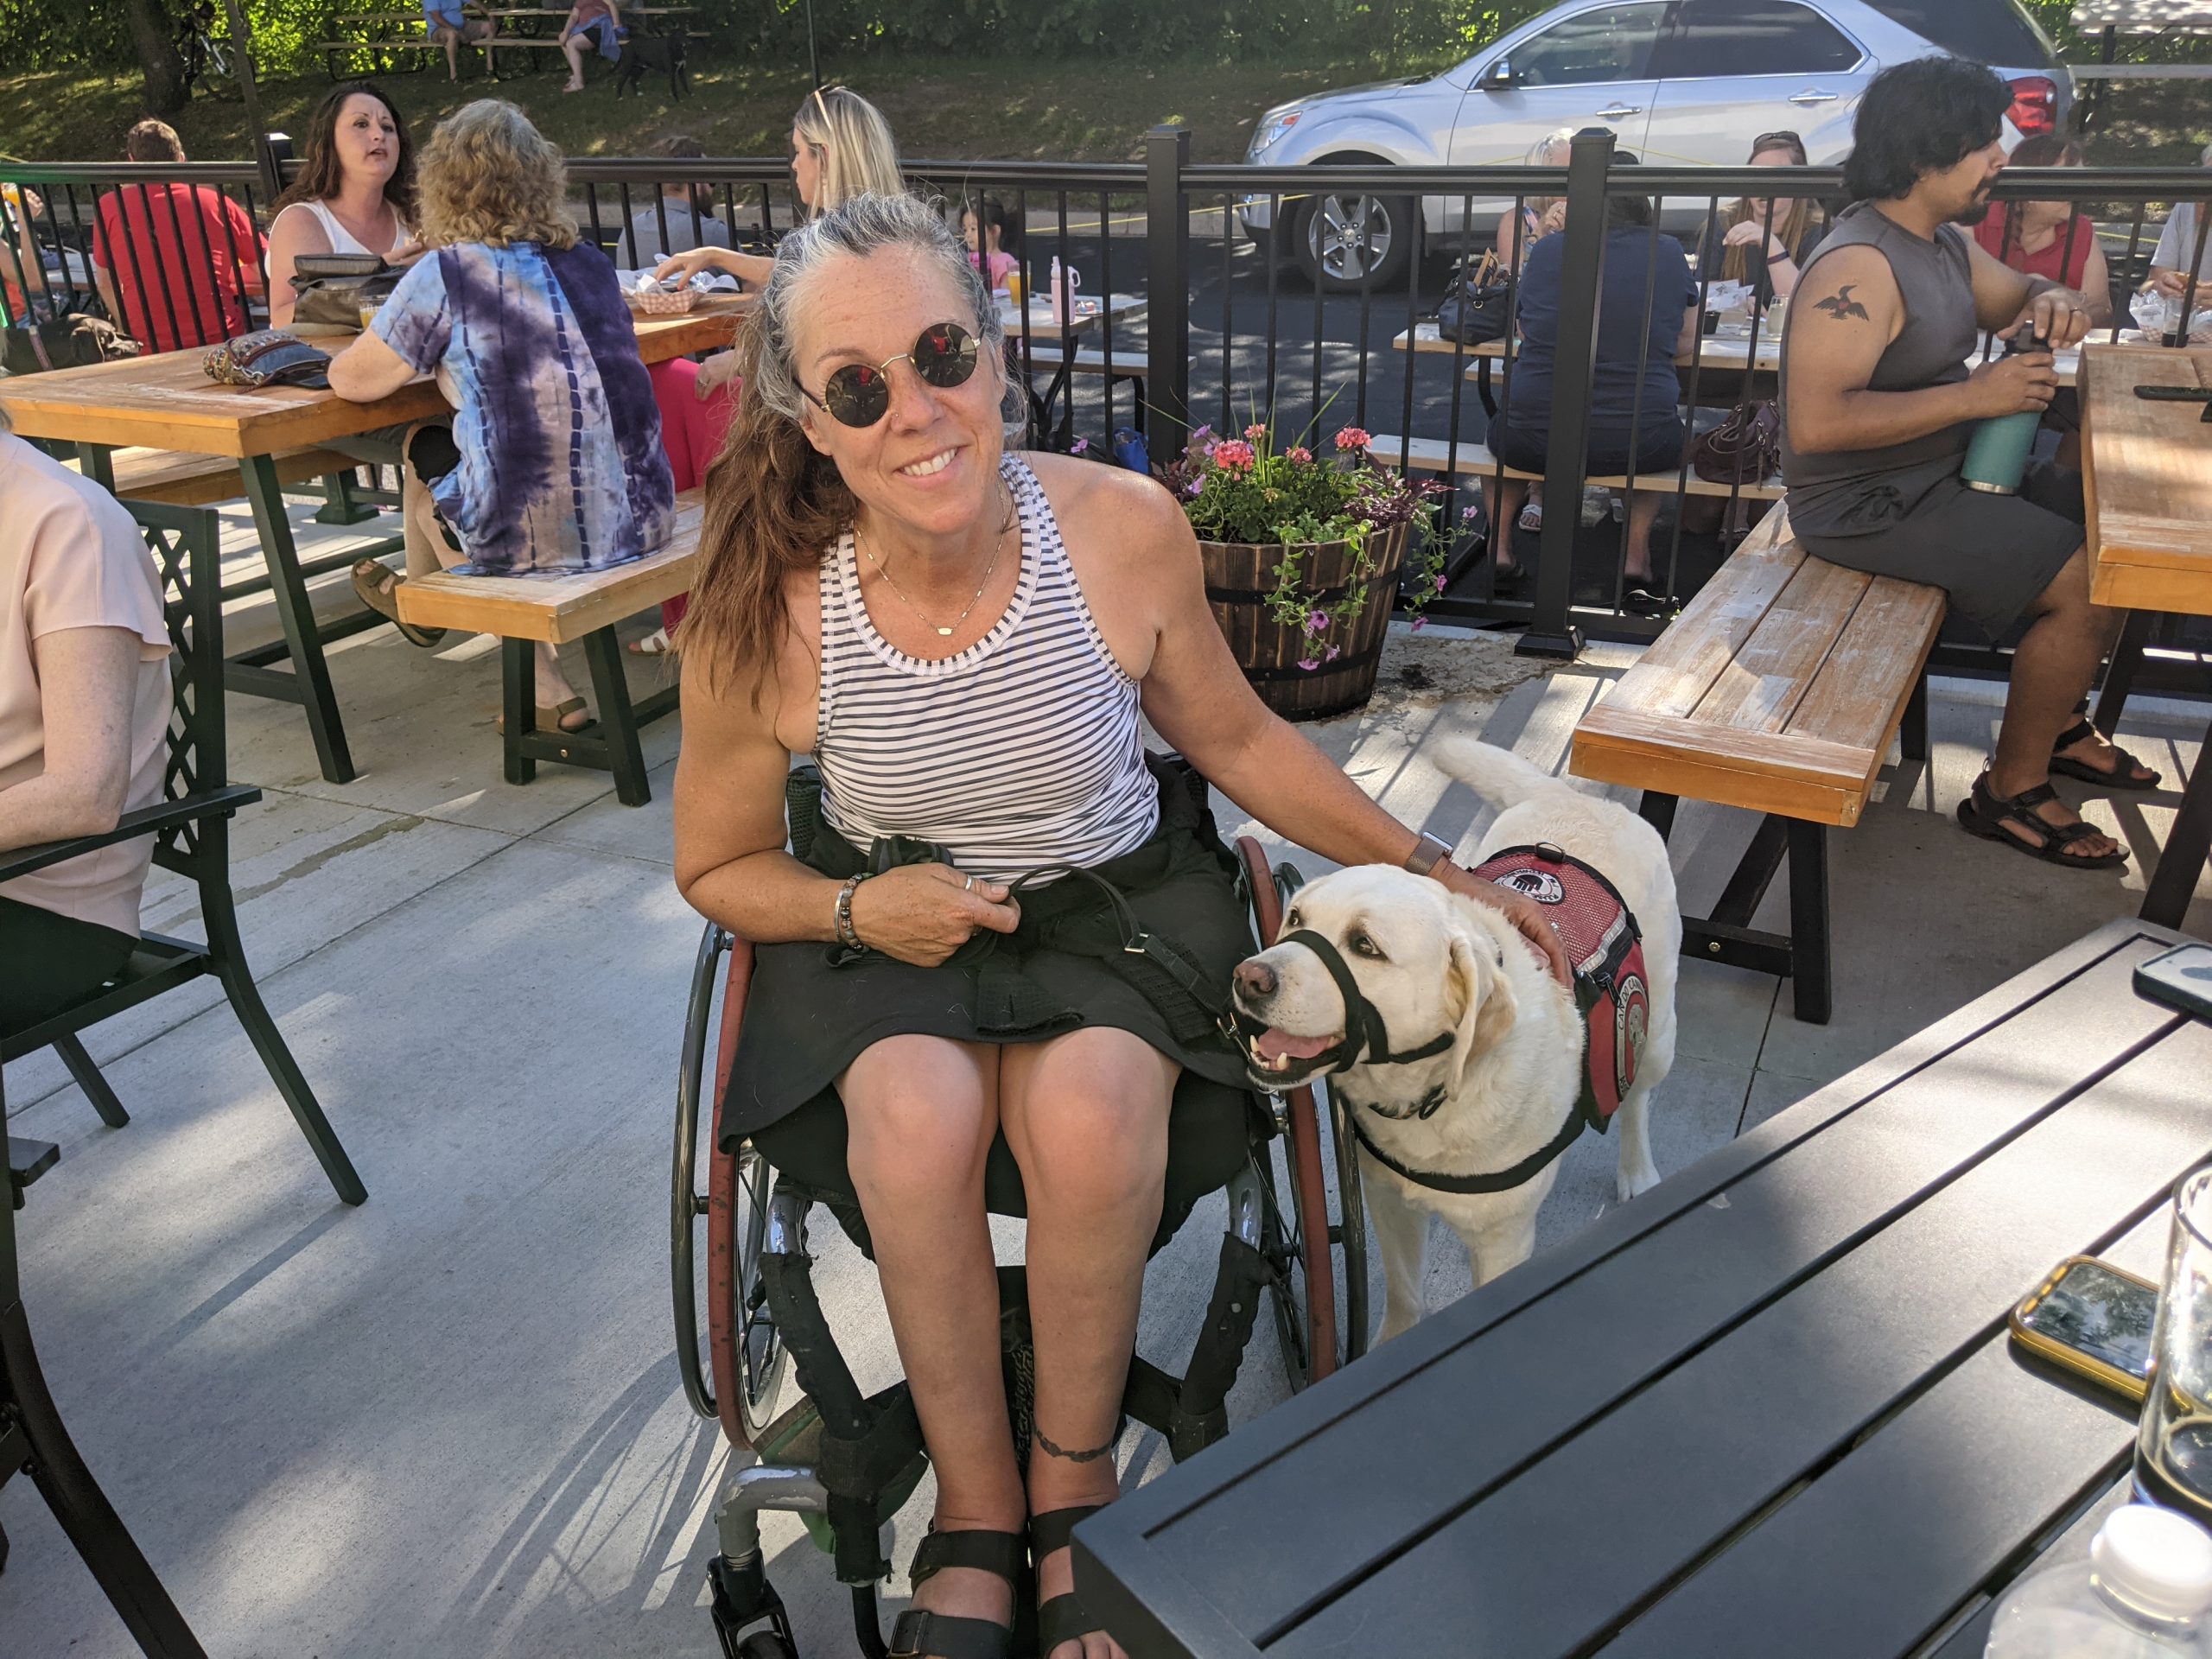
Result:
[{"x": 812, "y": 1008}]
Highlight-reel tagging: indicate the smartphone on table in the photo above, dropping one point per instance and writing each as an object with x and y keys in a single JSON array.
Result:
[
  {"x": 2094, "y": 1319},
  {"x": 2182, "y": 979}
]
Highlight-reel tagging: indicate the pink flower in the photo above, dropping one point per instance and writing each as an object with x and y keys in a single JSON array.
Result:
[
  {"x": 1420, "y": 622},
  {"x": 1233, "y": 454},
  {"x": 1352, "y": 438},
  {"x": 1197, "y": 485},
  {"x": 1081, "y": 446},
  {"x": 1334, "y": 652},
  {"x": 1317, "y": 621},
  {"x": 1298, "y": 453},
  {"x": 1255, "y": 432},
  {"x": 1308, "y": 664},
  {"x": 1439, "y": 582}
]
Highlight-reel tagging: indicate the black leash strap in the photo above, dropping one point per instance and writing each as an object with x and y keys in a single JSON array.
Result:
[{"x": 1501, "y": 1180}]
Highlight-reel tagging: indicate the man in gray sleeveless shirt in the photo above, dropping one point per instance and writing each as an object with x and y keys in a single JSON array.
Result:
[{"x": 1877, "y": 408}]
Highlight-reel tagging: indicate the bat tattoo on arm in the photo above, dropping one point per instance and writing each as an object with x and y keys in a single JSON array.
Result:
[{"x": 1840, "y": 305}]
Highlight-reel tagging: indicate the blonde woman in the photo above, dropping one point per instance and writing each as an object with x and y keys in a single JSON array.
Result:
[
  {"x": 1765, "y": 240},
  {"x": 840, "y": 146},
  {"x": 554, "y": 460}
]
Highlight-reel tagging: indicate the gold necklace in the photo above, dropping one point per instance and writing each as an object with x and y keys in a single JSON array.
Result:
[{"x": 975, "y": 597}]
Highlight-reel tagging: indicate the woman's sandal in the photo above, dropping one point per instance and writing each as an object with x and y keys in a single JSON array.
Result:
[
  {"x": 1985, "y": 813},
  {"x": 2122, "y": 776},
  {"x": 920, "y": 1632},
  {"x": 1063, "y": 1618},
  {"x": 553, "y": 717},
  {"x": 377, "y": 587}
]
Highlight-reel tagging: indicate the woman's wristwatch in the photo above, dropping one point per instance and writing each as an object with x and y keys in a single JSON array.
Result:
[{"x": 1427, "y": 855}]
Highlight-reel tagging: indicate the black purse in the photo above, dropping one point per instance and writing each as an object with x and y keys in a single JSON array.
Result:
[
  {"x": 1475, "y": 308},
  {"x": 331, "y": 287},
  {"x": 69, "y": 342}
]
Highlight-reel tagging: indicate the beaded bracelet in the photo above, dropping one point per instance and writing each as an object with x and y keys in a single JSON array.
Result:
[{"x": 846, "y": 935}]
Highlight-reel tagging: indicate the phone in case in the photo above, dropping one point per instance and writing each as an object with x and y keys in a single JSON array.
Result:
[
  {"x": 2092, "y": 1320},
  {"x": 2182, "y": 979}
]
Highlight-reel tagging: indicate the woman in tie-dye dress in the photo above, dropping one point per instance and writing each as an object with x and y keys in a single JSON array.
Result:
[{"x": 554, "y": 460}]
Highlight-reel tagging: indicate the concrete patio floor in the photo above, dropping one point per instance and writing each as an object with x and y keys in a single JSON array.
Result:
[{"x": 449, "y": 1423}]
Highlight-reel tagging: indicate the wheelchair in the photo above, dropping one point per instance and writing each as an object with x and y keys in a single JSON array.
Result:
[{"x": 845, "y": 1463}]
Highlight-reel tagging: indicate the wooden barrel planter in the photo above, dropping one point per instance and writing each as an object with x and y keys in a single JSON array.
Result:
[{"x": 1239, "y": 577}]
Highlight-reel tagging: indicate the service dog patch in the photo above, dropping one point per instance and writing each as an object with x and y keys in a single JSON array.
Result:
[{"x": 1606, "y": 948}]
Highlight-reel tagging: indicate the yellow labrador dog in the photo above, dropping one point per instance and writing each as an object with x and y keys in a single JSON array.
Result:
[{"x": 1463, "y": 1062}]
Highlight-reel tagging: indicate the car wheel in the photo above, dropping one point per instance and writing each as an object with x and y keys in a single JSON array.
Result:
[{"x": 1346, "y": 242}]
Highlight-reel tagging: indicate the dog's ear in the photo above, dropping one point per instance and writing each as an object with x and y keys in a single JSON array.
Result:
[{"x": 1481, "y": 1001}]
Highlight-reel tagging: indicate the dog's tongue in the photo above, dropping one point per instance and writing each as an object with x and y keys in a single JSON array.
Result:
[{"x": 1274, "y": 1045}]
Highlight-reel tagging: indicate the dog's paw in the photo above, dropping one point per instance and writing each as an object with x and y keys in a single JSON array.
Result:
[{"x": 1627, "y": 1186}]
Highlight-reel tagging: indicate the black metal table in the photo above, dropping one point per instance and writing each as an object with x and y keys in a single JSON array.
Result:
[{"x": 1768, "y": 1409}]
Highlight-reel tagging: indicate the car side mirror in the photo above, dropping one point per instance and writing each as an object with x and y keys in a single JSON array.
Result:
[{"x": 1498, "y": 77}]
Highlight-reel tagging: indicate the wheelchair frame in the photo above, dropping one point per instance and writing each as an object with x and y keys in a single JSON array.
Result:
[{"x": 761, "y": 1306}]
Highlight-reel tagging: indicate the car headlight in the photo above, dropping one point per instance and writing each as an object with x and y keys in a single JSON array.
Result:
[{"x": 1272, "y": 129}]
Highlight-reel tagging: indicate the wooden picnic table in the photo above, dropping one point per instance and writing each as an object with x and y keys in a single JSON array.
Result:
[
  {"x": 2146, "y": 472},
  {"x": 1769, "y": 1407},
  {"x": 1721, "y": 355},
  {"x": 1033, "y": 320},
  {"x": 167, "y": 401}
]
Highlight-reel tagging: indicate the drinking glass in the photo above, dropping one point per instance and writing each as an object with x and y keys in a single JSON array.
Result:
[{"x": 2173, "y": 1447}]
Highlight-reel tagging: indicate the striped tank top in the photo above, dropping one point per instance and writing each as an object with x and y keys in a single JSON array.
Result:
[{"x": 1023, "y": 750}]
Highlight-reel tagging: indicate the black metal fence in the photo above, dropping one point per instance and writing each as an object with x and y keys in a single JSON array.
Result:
[{"x": 1212, "y": 315}]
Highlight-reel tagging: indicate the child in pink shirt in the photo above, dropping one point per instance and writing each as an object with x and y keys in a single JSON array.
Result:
[{"x": 984, "y": 222}]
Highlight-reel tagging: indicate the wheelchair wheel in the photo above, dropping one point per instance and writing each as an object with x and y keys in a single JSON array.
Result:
[
  {"x": 745, "y": 1354},
  {"x": 1298, "y": 1238}
]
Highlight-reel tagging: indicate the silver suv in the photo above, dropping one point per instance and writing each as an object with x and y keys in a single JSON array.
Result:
[{"x": 1676, "y": 81}]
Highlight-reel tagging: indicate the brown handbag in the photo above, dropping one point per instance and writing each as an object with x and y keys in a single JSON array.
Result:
[
  {"x": 1745, "y": 449},
  {"x": 268, "y": 357}
]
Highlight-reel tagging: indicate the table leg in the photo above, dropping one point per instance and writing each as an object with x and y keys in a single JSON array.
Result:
[
  {"x": 96, "y": 461},
  {"x": 2120, "y": 677},
  {"x": 2174, "y": 881},
  {"x": 302, "y": 642}
]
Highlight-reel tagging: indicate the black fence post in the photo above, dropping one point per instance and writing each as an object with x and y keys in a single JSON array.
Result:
[
  {"x": 1168, "y": 290},
  {"x": 1550, "y": 633}
]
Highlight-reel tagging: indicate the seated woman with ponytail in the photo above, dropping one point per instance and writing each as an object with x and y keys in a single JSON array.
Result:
[{"x": 966, "y": 641}]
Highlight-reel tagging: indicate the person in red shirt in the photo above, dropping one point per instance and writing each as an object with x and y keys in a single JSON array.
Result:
[
  {"x": 175, "y": 263},
  {"x": 2049, "y": 238}
]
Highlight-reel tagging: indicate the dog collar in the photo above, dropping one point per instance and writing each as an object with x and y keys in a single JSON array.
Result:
[
  {"x": 1366, "y": 1039},
  {"x": 1424, "y": 1108}
]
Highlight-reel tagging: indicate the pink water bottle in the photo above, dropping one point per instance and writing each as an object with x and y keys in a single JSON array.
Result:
[{"x": 1064, "y": 281}]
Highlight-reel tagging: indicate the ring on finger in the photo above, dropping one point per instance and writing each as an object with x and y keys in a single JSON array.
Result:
[{"x": 968, "y": 886}]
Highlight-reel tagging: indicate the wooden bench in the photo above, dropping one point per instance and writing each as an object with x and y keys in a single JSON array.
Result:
[
  {"x": 179, "y": 479},
  {"x": 1778, "y": 688},
  {"x": 555, "y": 609},
  {"x": 1435, "y": 455}
]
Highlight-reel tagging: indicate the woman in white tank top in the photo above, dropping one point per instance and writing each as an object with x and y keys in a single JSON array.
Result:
[
  {"x": 354, "y": 193},
  {"x": 964, "y": 640}
]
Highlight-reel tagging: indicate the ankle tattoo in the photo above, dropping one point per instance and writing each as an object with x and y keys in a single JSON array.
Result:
[{"x": 1051, "y": 1450}]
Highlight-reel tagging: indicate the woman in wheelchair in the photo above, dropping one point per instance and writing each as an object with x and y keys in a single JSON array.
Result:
[{"x": 963, "y": 638}]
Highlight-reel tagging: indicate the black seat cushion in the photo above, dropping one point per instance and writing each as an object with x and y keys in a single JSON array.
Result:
[{"x": 1209, "y": 1132}]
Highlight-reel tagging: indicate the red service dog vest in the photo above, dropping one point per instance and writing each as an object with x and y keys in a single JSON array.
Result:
[{"x": 1606, "y": 950}]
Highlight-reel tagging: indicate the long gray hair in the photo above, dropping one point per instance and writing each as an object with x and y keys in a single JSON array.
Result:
[{"x": 774, "y": 503}]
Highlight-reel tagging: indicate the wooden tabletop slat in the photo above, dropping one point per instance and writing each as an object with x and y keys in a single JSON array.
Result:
[
  {"x": 1762, "y": 685},
  {"x": 1416, "y": 1448},
  {"x": 1734, "y": 1427},
  {"x": 167, "y": 401},
  {"x": 2147, "y": 469},
  {"x": 1957, "y": 1468}
]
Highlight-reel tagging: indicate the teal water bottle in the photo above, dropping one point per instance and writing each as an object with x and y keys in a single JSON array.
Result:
[{"x": 1997, "y": 459}]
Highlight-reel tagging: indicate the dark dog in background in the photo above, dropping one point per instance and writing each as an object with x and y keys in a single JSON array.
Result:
[{"x": 662, "y": 53}]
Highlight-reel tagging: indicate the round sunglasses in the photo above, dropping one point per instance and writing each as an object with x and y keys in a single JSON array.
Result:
[{"x": 859, "y": 396}]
